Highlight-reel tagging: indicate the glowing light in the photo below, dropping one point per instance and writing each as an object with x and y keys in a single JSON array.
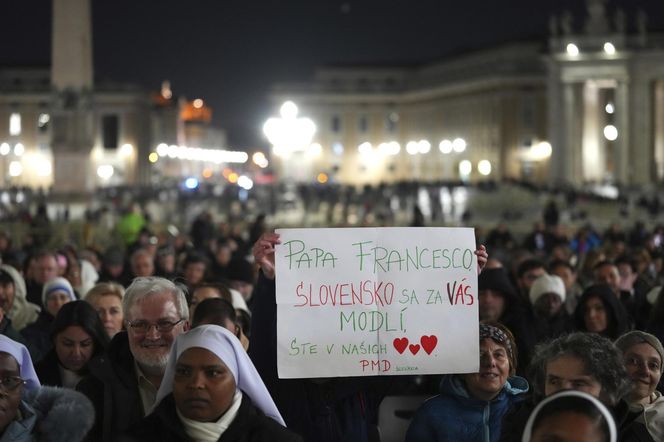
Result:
[
  {"x": 289, "y": 133},
  {"x": 5, "y": 148},
  {"x": 609, "y": 108},
  {"x": 166, "y": 90},
  {"x": 484, "y": 167},
  {"x": 15, "y": 168},
  {"x": 572, "y": 50},
  {"x": 465, "y": 167},
  {"x": 412, "y": 147},
  {"x": 227, "y": 172},
  {"x": 365, "y": 148},
  {"x": 19, "y": 149},
  {"x": 44, "y": 168},
  {"x": 322, "y": 178},
  {"x": 260, "y": 160},
  {"x": 245, "y": 182},
  {"x": 338, "y": 148},
  {"x": 105, "y": 171},
  {"x": 126, "y": 150},
  {"x": 610, "y": 132},
  {"x": 541, "y": 151},
  {"x": 233, "y": 177},
  {"x": 198, "y": 103},
  {"x": 609, "y": 49},
  {"x": 423, "y": 146},
  {"x": 391, "y": 148},
  {"x": 459, "y": 145},
  {"x": 15, "y": 124},
  {"x": 445, "y": 146},
  {"x": 153, "y": 157},
  {"x": 162, "y": 149},
  {"x": 207, "y": 173},
  {"x": 315, "y": 149},
  {"x": 191, "y": 183}
]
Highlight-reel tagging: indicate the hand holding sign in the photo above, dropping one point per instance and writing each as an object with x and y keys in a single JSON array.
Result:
[{"x": 263, "y": 252}]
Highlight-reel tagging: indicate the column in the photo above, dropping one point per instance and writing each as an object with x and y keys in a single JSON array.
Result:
[
  {"x": 593, "y": 158},
  {"x": 621, "y": 147}
]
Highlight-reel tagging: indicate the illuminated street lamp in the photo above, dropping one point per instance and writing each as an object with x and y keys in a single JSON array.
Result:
[{"x": 289, "y": 133}]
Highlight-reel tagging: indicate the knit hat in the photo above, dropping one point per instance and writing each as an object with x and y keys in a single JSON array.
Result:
[
  {"x": 57, "y": 285},
  {"x": 547, "y": 284},
  {"x": 630, "y": 339}
]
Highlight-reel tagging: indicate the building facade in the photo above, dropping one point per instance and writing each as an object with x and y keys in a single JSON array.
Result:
[{"x": 586, "y": 106}]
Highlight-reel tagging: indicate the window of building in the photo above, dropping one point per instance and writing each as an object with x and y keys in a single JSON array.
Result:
[
  {"x": 363, "y": 124},
  {"x": 15, "y": 124},
  {"x": 110, "y": 128},
  {"x": 336, "y": 124}
]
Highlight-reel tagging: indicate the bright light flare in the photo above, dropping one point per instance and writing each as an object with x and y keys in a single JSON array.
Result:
[
  {"x": 484, "y": 167},
  {"x": 465, "y": 168},
  {"x": 459, "y": 145},
  {"x": 572, "y": 50},
  {"x": 610, "y": 132},
  {"x": 105, "y": 171}
]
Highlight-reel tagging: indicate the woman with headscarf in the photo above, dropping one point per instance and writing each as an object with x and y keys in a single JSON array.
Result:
[
  {"x": 470, "y": 407},
  {"x": 77, "y": 335},
  {"x": 600, "y": 311},
  {"x": 644, "y": 360},
  {"x": 21, "y": 312},
  {"x": 212, "y": 392},
  {"x": 570, "y": 415},
  {"x": 56, "y": 293},
  {"x": 31, "y": 412}
]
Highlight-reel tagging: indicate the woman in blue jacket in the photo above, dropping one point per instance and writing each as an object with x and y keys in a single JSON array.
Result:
[{"x": 470, "y": 407}]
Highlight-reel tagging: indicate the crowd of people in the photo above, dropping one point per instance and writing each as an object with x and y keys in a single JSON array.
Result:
[{"x": 173, "y": 337}]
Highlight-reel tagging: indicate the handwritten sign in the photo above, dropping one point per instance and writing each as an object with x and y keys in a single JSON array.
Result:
[{"x": 370, "y": 301}]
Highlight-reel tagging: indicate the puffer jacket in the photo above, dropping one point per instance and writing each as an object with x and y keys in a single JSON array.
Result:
[
  {"x": 454, "y": 415},
  {"x": 51, "y": 414}
]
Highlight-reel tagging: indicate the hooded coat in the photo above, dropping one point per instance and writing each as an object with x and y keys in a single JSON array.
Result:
[
  {"x": 51, "y": 414},
  {"x": 22, "y": 312},
  {"x": 618, "y": 321},
  {"x": 454, "y": 415}
]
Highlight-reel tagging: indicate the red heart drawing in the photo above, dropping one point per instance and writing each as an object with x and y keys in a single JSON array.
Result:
[
  {"x": 429, "y": 343},
  {"x": 414, "y": 348},
  {"x": 400, "y": 344}
]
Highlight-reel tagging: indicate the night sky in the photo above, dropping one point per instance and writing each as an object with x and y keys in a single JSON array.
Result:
[{"x": 230, "y": 52}]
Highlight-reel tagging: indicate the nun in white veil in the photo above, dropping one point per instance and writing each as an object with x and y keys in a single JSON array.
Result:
[{"x": 212, "y": 392}]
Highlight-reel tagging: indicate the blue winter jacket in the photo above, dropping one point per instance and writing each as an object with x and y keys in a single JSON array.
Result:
[{"x": 455, "y": 416}]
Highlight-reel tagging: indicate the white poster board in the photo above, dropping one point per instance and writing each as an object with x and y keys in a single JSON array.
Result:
[{"x": 370, "y": 301}]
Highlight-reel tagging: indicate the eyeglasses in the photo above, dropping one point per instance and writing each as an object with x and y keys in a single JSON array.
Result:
[
  {"x": 10, "y": 383},
  {"x": 162, "y": 326}
]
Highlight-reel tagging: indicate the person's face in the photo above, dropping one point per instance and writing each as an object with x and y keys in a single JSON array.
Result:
[
  {"x": 150, "y": 349},
  {"x": 527, "y": 279},
  {"x": 643, "y": 365},
  {"x": 47, "y": 269},
  {"x": 244, "y": 288},
  {"x": 199, "y": 296},
  {"x": 203, "y": 386},
  {"x": 55, "y": 301},
  {"x": 74, "y": 347},
  {"x": 595, "y": 317},
  {"x": 194, "y": 273},
  {"x": 167, "y": 262},
  {"x": 491, "y": 305},
  {"x": 568, "y": 426},
  {"x": 6, "y": 296},
  {"x": 115, "y": 270},
  {"x": 142, "y": 265},
  {"x": 494, "y": 370},
  {"x": 548, "y": 305},
  {"x": 223, "y": 255},
  {"x": 10, "y": 400},
  {"x": 569, "y": 373},
  {"x": 608, "y": 274},
  {"x": 109, "y": 309},
  {"x": 626, "y": 276},
  {"x": 566, "y": 274}
]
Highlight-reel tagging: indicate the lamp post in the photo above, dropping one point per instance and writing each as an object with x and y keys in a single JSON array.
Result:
[{"x": 290, "y": 136}]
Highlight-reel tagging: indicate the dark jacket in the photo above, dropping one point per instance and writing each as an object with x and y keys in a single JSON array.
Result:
[
  {"x": 250, "y": 425},
  {"x": 334, "y": 410},
  {"x": 454, "y": 415},
  {"x": 112, "y": 386},
  {"x": 48, "y": 370},
  {"x": 50, "y": 414},
  {"x": 8, "y": 330},
  {"x": 38, "y": 336}
]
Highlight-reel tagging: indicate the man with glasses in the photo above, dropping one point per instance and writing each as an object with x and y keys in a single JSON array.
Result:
[{"x": 123, "y": 384}]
